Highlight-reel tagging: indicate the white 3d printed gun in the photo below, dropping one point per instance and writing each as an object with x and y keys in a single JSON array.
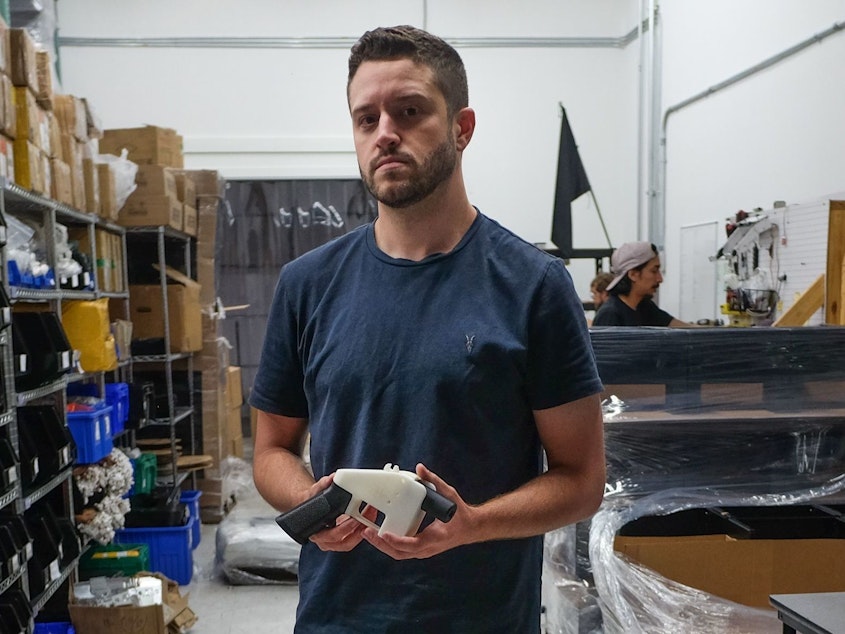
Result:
[{"x": 401, "y": 496}]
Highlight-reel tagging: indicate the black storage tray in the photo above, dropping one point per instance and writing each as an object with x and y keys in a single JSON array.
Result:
[
  {"x": 54, "y": 445},
  {"x": 43, "y": 360},
  {"x": 8, "y": 462},
  {"x": 31, "y": 470},
  {"x": 154, "y": 509},
  {"x": 22, "y": 366},
  {"x": 9, "y": 554},
  {"x": 23, "y": 540},
  {"x": 71, "y": 546}
]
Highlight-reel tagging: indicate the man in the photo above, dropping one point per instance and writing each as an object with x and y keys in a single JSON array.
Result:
[
  {"x": 436, "y": 340},
  {"x": 637, "y": 269}
]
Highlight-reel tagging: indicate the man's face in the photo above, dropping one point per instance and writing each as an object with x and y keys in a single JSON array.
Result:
[
  {"x": 647, "y": 280},
  {"x": 403, "y": 138}
]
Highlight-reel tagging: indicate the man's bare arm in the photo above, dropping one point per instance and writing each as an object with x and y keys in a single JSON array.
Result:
[{"x": 278, "y": 469}]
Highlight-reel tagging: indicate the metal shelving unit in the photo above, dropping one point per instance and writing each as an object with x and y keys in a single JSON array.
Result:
[
  {"x": 15, "y": 201},
  {"x": 172, "y": 248}
]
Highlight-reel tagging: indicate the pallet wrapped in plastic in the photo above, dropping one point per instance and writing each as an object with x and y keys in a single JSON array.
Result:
[{"x": 701, "y": 419}]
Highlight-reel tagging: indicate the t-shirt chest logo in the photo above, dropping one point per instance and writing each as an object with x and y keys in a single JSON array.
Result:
[{"x": 470, "y": 342}]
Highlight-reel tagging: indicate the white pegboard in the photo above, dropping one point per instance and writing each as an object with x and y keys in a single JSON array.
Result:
[
  {"x": 802, "y": 250},
  {"x": 799, "y": 254}
]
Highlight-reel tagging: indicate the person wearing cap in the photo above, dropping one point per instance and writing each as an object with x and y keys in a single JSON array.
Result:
[{"x": 636, "y": 266}]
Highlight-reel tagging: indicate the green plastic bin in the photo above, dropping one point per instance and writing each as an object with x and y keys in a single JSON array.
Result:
[
  {"x": 145, "y": 470},
  {"x": 111, "y": 560}
]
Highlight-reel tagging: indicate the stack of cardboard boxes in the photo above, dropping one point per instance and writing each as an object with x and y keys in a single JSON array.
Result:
[
  {"x": 49, "y": 145},
  {"x": 164, "y": 196},
  {"x": 48, "y": 140},
  {"x": 221, "y": 393}
]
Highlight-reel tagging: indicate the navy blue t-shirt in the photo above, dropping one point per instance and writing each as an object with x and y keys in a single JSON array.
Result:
[
  {"x": 615, "y": 312},
  {"x": 441, "y": 362}
]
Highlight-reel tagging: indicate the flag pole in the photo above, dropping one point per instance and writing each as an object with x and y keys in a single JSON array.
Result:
[{"x": 601, "y": 219}]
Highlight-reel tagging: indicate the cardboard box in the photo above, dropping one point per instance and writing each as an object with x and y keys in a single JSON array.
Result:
[
  {"x": 173, "y": 616},
  {"x": 72, "y": 153},
  {"x": 102, "y": 262},
  {"x": 8, "y": 111},
  {"x": 91, "y": 178},
  {"x": 233, "y": 386},
  {"x": 118, "y": 266},
  {"x": 146, "y": 308},
  {"x": 22, "y": 57},
  {"x": 70, "y": 112},
  {"x": 61, "y": 186},
  {"x": 125, "y": 619},
  {"x": 44, "y": 76},
  {"x": 233, "y": 424},
  {"x": 26, "y": 113},
  {"x": 105, "y": 261},
  {"x": 732, "y": 394},
  {"x": 637, "y": 395},
  {"x": 155, "y": 180},
  {"x": 206, "y": 278},
  {"x": 150, "y": 145},
  {"x": 185, "y": 189},
  {"x": 108, "y": 191},
  {"x": 189, "y": 219},
  {"x": 54, "y": 136},
  {"x": 143, "y": 211},
  {"x": 746, "y": 571},
  {"x": 207, "y": 227},
  {"x": 207, "y": 183},
  {"x": 29, "y": 168}
]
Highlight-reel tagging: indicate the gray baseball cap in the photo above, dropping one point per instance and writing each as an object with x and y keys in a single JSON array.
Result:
[{"x": 629, "y": 256}]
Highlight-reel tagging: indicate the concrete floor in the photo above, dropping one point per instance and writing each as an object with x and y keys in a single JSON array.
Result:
[{"x": 227, "y": 609}]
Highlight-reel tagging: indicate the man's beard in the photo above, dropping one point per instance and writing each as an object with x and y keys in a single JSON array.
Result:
[{"x": 434, "y": 170}]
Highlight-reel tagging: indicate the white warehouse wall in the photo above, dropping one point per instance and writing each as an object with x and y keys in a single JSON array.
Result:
[
  {"x": 776, "y": 135},
  {"x": 281, "y": 112}
]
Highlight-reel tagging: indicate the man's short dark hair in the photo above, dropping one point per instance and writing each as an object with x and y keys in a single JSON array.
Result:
[{"x": 408, "y": 42}]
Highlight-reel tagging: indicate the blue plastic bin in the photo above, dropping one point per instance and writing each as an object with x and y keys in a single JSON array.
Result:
[
  {"x": 92, "y": 433},
  {"x": 117, "y": 396},
  {"x": 192, "y": 500},
  {"x": 62, "y": 627},
  {"x": 170, "y": 548}
]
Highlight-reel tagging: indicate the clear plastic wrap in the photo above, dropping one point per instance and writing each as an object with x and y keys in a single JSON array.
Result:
[
  {"x": 250, "y": 548},
  {"x": 255, "y": 551},
  {"x": 701, "y": 419}
]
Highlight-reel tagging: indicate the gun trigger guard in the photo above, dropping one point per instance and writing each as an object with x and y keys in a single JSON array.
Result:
[{"x": 353, "y": 511}]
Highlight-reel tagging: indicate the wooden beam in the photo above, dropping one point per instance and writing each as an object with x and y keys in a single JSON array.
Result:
[
  {"x": 834, "y": 313},
  {"x": 805, "y": 306}
]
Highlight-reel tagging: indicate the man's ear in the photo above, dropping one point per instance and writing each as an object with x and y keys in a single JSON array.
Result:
[{"x": 464, "y": 127}]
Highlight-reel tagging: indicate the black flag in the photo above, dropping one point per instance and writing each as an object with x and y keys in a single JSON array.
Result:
[{"x": 571, "y": 183}]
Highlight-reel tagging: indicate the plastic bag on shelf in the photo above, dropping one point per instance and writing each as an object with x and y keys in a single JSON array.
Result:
[{"x": 124, "y": 174}]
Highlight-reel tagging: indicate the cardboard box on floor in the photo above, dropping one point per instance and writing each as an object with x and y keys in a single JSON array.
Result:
[
  {"x": 146, "y": 308},
  {"x": 173, "y": 616},
  {"x": 745, "y": 571}
]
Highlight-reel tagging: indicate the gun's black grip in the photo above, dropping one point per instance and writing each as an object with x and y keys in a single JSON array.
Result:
[
  {"x": 315, "y": 514},
  {"x": 440, "y": 507}
]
